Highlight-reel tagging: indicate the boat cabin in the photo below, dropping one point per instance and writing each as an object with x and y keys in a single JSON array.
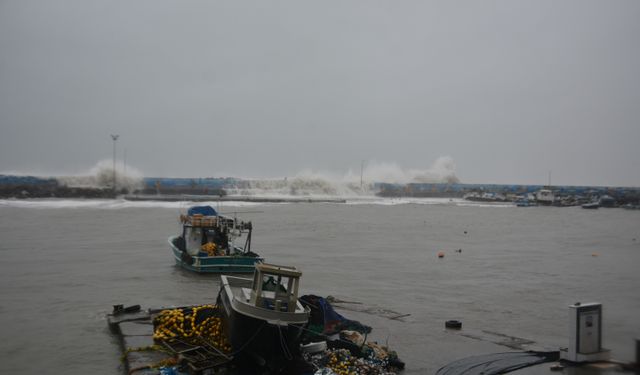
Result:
[
  {"x": 274, "y": 287},
  {"x": 203, "y": 225}
]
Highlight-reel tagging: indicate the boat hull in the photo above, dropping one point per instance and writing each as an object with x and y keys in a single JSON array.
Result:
[
  {"x": 268, "y": 343},
  {"x": 214, "y": 264}
]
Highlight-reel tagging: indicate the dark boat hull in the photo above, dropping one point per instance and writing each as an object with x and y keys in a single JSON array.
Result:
[{"x": 265, "y": 343}]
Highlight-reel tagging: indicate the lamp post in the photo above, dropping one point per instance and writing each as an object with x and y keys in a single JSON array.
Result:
[
  {"x": 115, "y": 138},
  {"x": 124, "y": 163},
  {"x": 361, "y": 172}
]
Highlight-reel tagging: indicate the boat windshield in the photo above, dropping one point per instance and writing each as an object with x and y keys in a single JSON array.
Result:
[{"x": 275, "y": 287}]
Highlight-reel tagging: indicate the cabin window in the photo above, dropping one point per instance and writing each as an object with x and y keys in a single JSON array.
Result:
[
  {"x": 274, "y": 292},
  {"x": 284, "y": 286},
  {"x": 273, "y": 283}
]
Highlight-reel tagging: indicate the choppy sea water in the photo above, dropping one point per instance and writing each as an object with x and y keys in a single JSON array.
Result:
[{"x": 65, "y": 263}]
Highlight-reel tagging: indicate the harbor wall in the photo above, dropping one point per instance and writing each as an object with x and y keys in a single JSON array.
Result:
[{"x": 33, "y": 186}]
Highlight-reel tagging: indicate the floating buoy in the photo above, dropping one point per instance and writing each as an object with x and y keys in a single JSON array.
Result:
[
  {"x": 441, "y": 254},
  {"x": 453, "y": 324}
]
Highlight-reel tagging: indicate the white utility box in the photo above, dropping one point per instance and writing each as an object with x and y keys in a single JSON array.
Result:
[{"x": 585, "y": 334}]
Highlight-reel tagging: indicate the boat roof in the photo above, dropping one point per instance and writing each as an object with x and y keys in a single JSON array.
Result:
[
  {"x": 202, "y": 210},
  {"x": 278, "y": 270}
]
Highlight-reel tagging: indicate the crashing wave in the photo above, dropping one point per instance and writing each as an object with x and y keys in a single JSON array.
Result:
[
  {"x": 310, "y": 183},
  {"x": 361, "y": 183},
  {"x": 101, "y": 176}
]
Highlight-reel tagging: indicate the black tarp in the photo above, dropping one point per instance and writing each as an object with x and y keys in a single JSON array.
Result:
[{"x": 202, "y": 210}]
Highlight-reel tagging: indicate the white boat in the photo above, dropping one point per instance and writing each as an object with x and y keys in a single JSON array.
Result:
[
  {"x": 545, "y": 197},
  {"x": 264, "y": 318}
]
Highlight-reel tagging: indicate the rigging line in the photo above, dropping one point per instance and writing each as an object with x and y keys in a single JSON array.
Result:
[
  {"x": 249, "y": 340},
  {"x": 283, "y": 344}
]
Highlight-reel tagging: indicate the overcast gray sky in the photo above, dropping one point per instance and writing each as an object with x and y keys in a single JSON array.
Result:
[{"x": 508, "y": 89}]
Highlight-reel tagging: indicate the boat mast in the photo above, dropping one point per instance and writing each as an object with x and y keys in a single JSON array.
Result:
[{"x": 114, "y": 137}]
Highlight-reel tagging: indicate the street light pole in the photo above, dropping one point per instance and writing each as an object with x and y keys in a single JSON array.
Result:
[
  {"x": 361, "y": 172},
  {"x": 115, "y": 138},
  {"x": 124, "y": 163}
]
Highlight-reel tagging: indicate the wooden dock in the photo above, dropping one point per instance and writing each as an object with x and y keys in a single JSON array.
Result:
[{"x": 141, "y": 355}]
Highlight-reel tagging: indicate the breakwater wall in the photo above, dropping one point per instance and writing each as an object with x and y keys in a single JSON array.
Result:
[
  {"x": 36, "y": 187},
  {"x": 459, "y": 190},
  {"x": 32, "y": 186}
]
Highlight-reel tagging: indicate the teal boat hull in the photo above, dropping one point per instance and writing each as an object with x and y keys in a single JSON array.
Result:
[{"x": 214, "y": 264}]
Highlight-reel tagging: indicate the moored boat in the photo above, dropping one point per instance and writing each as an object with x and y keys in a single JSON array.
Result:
[
  {"x": 207, "y": 243},
  {"x": 607, "y": 201},
  {"x": 545, "y": 197},
  {"x": 524, "y": 202},
  {"x": 264, "y": 318}
]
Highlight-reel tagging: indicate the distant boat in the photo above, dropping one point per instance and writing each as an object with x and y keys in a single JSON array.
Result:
[
  {"x": 525, "y": 203},
  {"x": 545, "y": 197},
  {"x": 264, "y": 318},
  {"x": 591, "y": 206},
  {"x": 206, "y": 243},
  {"x": 607, "y": 201}
]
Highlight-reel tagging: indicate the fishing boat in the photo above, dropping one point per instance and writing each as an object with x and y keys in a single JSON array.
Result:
[
  {"x": 207, "y": 243},
  {"x": 264, "y": 318}
]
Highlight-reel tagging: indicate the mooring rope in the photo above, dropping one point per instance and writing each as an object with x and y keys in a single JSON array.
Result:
[{"x": 283, "y": 343}]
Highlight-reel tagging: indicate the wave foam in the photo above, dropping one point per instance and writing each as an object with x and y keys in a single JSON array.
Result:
[
  {"x": 307, "y": 183},
  {"x": 351, "y": 183},
  {"x": 111, "y": 204},
  {"x": 101, "y": 175}
]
